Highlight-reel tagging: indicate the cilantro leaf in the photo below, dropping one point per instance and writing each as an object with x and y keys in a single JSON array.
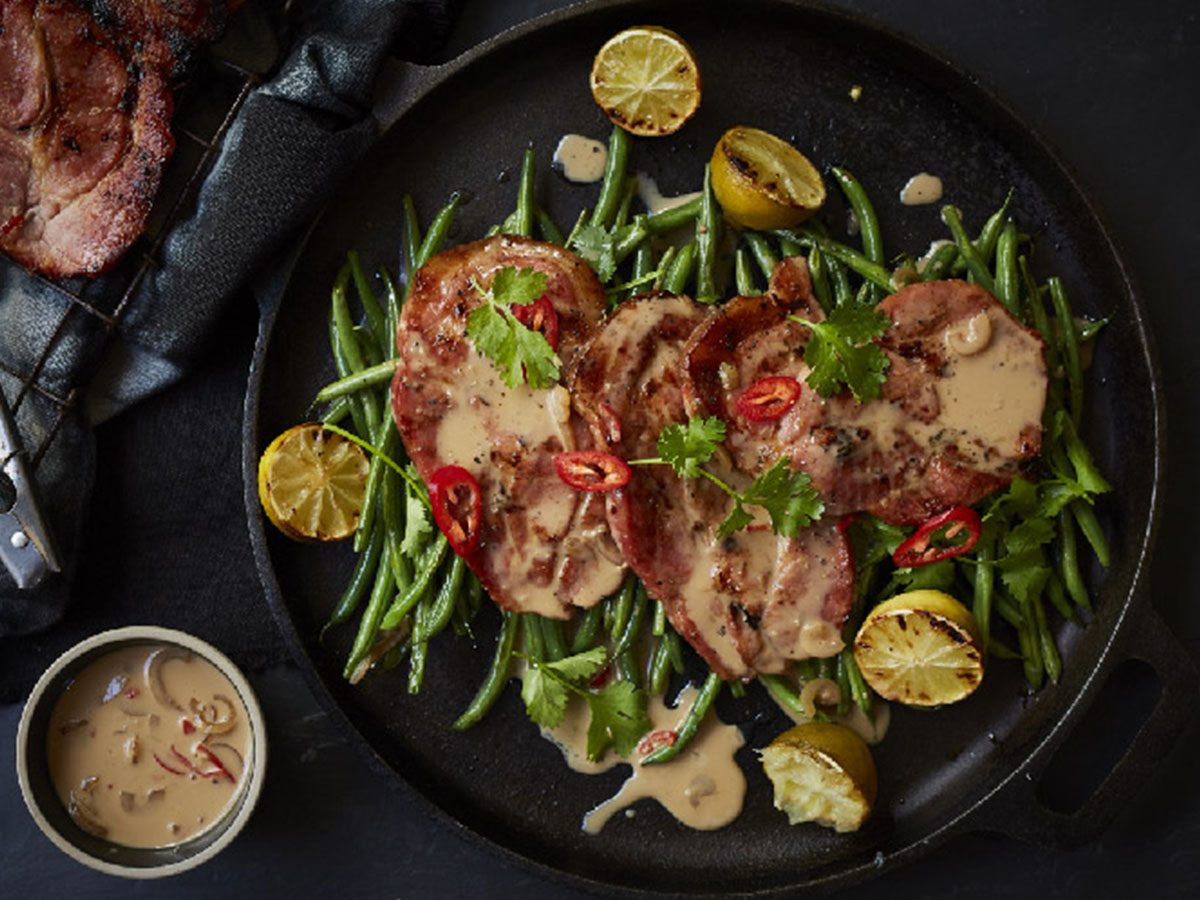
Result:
[
  {"x": 788, "y": 497},
  {"x": 1025, "y": 573},
  {"x": 579, "y": 667},
  {"x": 595, "y": 245},
  {"x": 519, "y": 353},
  {"x": 737, "y": 519},
  {"x": 618, "y": 717},
  {"x": 686, "y": 447},
  {"x": 545, "y": 696},
  {"x": 936, "y": 576},
  {"x": 416, "y": 521},
  {"x": 841, "y": 352}
]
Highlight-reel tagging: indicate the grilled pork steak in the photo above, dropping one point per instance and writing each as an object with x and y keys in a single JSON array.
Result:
[
  {"x": 85, "y": 122},
  {"x": 545, "y": 547},
  {"x": 748, "y": 602},
  {"x": 961, "y": 408}
]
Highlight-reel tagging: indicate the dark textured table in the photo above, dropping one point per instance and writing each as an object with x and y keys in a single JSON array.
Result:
[{"x": 1114, "y": 86}]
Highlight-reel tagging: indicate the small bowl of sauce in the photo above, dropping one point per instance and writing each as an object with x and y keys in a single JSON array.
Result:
[{"x": 141, "y": 752}]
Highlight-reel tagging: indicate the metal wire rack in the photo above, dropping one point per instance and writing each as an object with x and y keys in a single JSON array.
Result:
[{"x": 206, "y": 105}]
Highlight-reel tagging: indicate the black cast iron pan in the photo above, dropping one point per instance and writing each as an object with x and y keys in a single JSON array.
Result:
[{"x": 788, "y": 68}]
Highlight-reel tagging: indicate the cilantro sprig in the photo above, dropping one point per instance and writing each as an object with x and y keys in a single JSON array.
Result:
[
  {"x": 787, "y": 496},
  {"x": 518, "y": 352},
  {"x": 841, "y": 352},
  {"x": 618, "y": 710}
]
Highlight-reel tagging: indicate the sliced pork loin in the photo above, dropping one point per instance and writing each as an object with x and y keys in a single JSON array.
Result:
[
  {"x": 85, "y": 112},
  {"x": 747, "y": 603},
  {"x": 960, "y": 412},
  {"x": 546, "y": 547}
]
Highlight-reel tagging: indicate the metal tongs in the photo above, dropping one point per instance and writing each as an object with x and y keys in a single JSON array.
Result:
[{"x": 25, "y": 543}]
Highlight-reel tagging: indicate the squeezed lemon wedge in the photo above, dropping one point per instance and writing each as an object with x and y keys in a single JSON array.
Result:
[
  {"x": 762, "y": 181},
  {"x": 311, "y": 483},
  {"x": 822, "y": 772},
  {"x": 647, "y": 80},
  {"x": 921, "y": 648}
]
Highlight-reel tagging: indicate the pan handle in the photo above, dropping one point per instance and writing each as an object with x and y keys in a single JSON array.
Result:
[{"x": 1016, "y": 810}]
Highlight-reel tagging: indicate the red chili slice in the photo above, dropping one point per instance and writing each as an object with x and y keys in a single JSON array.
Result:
[
  {"x": 656, "y": 739},
  {"x": 592, "y": 470},
  {"x": 539, "y": 316},
  {"x": 457, "y": 507},
  {"x": 768, "y": 398},
  {"x": 920, "y": 549}
]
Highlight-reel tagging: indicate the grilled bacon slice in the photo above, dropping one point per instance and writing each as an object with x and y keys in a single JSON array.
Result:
[{"x": 545, "y": 546}]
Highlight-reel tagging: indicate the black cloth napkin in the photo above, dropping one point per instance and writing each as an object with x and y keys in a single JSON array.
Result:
[{"x": 295, "y": 138}]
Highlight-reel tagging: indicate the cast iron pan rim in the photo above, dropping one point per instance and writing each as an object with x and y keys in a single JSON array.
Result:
[{"x": 1011, "y": 124}]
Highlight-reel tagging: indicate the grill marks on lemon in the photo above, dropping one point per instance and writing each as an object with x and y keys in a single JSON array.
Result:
[
  {"x": 762, "y": 181},
  {"x": 647, "y": 80},
  {"x": 822, "y": 772},
  {"x": 311, "y": 483},
  {"x": 921, "y": 649}
]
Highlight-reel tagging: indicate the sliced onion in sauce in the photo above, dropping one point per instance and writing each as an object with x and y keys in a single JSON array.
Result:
[
  {"x": 152, "y": 673},
  {"x": 823, "y": 691}
]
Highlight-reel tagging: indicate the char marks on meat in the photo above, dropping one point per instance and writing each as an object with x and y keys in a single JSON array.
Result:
[
  {"x": 545, "y": 547},
  {"x": 85, "y": 113},
  {"x": 960, "y": 412},
  {"x": 747, "y": 603}
]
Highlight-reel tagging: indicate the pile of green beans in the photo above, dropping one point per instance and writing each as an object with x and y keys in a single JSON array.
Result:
[{"x": 413, "y": 590}]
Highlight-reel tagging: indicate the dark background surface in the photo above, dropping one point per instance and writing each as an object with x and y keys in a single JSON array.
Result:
[{"x": 1114, "y": 86}]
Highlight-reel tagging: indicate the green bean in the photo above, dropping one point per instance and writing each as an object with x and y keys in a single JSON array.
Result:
[
  {"x": 789, "y": 248},
  {"x": 691, "y": 722},
  {"x": 550, "y": 231},
  {"x": 1085, "y": 515},
  {"x": 1001, "y": 650},
  {"x": 625, "y": 667},
  {"x": 368, "y": 626},
  {"x": 1031, "y": 651},
  {"x": 349, "y": 354},
  {"x": 419, "y": 648},
  {"x": 681, "y": 269},
  {"x": 818, "y": 272},
  {"x": 1058, "y": 597},
  {"x": 373, "y": 312},
  {"x": 743, "y": 274},
  {"x": 868, "y": 222},
  {"x": 938, "y": 264},
  {"x": 392, "y": 308},
  {"x": 989, "y": 235},
  {"x": 552, "y": 639},
  {"x": 982, "y": 605},
  {"x": 493, "y": 682},
  {"x": 1069, "y": 345},
  {"x": 531, "y": 633},
  {"x": 1087, "y": 329},
  {"x": 627, "y": 194},
  {"x": 764, "y": 254},
  {"x": 1037, "y": 312},
  {"x": 779, "y": 688},
  {"x": 1087, "y": 473},
  {"x": 431, "y": 562},
  {"x": 633, "y": 624},
  {"x": 447, "y": 596},
  {"x": 622, "y": 607},
  {"x": 660, "y": 668},
  {"x": 1051, "y": 660},
  {"x": 664, "y": 266},
  {"x": 843, "y": 682},
  {"x": 859, "y": 691},
  {"x": 614, "y": 179},
  {"x": 580, "y": 221},
  {"x": 660, "y": 619},
  {"x": 643, "y": 257},
  {"x": 673, "y": 217},
  {"x": 338, "y": 410},
  {"x": 825, "y": 668},
  {"x": 523, "y": 218},
  {"x": 966, "y": 248},
  {"x": 806, "y": 669},
  {"x": 370, "y": 377},
  {"x": 342, "y": 362},
  {"x": 842, "y": 294},
  {"x": 674, "y": 650},
  {"x": 1008, "y": 612},
  {"x": 708, "y": 233},
  {"x": 388, "y": 441},
  {"x": 361, "y": 578},
  {"x": 848, "y": 256},
  {"x": 411, "y": 245},
  {"x": 436, "y": 236},
  {"x": 587, "y": 627},
  {"x": 1068, "y": 561},
  {"x": 1007, "y": 284},
  {"x": 737, "y": 690}
]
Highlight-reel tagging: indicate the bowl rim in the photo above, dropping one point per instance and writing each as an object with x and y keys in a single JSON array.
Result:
[{"x": 257, "y": 756}]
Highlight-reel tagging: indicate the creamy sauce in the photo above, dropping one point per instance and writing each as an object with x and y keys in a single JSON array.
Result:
[
  {"x": 872, "y": 727},
  {"x": 580, "y": 159},
  {"x": 146, "y": 747},
  {"x": 921, "y": 188},
  {"x": 653, "y": 198},
  {"x": 703, "y": 787}
]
